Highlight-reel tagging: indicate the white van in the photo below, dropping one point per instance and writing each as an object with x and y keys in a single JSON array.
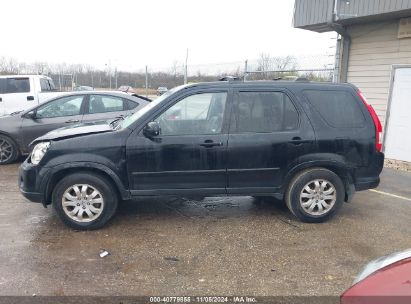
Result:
[{"x": 20, "y": 92}]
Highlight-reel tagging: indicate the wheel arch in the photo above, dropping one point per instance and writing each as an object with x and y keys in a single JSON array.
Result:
[
  {"x": 61, "y": 171},
  {"x": 339, "y": 168}
]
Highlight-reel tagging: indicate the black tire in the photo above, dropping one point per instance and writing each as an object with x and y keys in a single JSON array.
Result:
[
  {"x": 295, "y": 188},
  {"x": 15, "y": 153},
  {"x": 99, "y": 183}
]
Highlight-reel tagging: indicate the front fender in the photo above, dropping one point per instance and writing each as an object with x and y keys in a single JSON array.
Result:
[{"x": 58, "y": 171}]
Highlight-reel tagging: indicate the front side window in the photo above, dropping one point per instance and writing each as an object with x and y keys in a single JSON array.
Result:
[
  {"x": 17, "y": 85},
  {"x": 105, "y": 104},
  {"x": 263, "y": 112},
  {"x": 65, "y": 106},
  {"x": 196, "y": 114}
]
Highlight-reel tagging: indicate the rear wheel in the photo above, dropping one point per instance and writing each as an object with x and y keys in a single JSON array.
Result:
[
  {"x": 315, "y": 195},
  {"x": 85, "y": 201},
  {"x": 8, "y": 150}
]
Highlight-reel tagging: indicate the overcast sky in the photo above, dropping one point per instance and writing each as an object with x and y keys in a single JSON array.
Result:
[{"x": 154, "y": 32}]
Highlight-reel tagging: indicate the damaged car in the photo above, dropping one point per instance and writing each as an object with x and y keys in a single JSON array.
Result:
[{"x": 311, "y": 144}]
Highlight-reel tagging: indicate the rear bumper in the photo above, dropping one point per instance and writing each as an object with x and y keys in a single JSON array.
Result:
[
  {"x": 369, "y": 177},
  {"x": 367, "y": 183}
]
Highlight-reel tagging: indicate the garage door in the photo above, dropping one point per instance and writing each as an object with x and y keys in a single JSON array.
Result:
[{"x": 398, "y": 133}]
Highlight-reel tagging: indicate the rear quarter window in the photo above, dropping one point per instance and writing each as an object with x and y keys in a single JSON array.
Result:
[
  {"x": 339, "y": 109},
  {"x": 131, "y": 104}
]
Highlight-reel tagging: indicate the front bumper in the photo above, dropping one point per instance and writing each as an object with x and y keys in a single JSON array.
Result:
[{"x": 31, "y": 183}]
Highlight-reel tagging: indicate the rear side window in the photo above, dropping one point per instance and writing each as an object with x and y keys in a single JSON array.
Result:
[
  {"x": 3, "y": 82},
  {"x": 338, "y": 108},
  {"x": 264, "y": 112},
  {"x": 14, "y": 85},
  {"x": 105, "y": 104}
]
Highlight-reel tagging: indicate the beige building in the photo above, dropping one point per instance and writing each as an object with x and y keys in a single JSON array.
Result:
[{"x": 374, "y": 53}]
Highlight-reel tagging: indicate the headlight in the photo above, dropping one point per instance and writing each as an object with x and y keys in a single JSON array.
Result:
[
  {"x": 381, "y": 263},
  {"x": 39, "y": 151}
]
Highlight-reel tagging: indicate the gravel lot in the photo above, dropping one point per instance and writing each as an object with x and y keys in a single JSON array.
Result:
[{"x": 216, "y": 246}]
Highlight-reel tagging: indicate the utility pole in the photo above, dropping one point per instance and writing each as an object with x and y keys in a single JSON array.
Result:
[
  {"x": 185, "y": 69},
  {"x": 109, "y": 71},
  {"x": 245, "y": 69},
  {"x": 115, "y": 77},
  {"x": 146, "y": 82}
]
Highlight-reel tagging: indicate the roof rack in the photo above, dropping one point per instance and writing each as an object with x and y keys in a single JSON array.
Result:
[
  {"x": 229, "y": 78},
  {"x": 302, "y": 79}
]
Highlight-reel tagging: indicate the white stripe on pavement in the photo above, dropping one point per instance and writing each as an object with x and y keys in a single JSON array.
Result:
[{"x": 392, "y": 195}]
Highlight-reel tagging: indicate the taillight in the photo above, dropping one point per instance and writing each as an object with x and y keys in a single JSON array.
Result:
[{"x": 377, "y": 123}]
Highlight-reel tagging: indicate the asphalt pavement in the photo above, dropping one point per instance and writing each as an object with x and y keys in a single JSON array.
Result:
[{"x": 214, "y": 246}]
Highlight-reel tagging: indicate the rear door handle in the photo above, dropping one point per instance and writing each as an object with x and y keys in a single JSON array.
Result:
[
  {"x": 210, "y": 144},
  {"x": 72, "y": 121},
  {"x": 1, "y": 99},
  {"x": 30, "y": 98}
]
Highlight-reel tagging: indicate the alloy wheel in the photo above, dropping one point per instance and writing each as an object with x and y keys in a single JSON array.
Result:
[
  {"x": 82, "y": 203},
  {"x": 6, "y": 151},
  {"x": 318, "y": 197}
]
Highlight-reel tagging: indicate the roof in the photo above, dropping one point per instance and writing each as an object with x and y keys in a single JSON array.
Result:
[
  {"x": 317, "y": 15},
  {"x": 24, "y": 76}
]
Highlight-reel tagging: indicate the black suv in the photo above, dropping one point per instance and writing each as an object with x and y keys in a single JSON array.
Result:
[{"x": 311, "y": 144}]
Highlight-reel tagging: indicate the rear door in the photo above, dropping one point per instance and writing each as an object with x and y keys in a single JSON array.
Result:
[
  {"x": 60, "y": 112},
  {"x": 104, "y": 107},
  {"x": 267, "y": 132}
]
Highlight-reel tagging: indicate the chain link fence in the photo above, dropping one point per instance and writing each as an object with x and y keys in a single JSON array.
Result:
[
  {"x": 148, "y": 79},
  {"x": 315, "y": 68}
]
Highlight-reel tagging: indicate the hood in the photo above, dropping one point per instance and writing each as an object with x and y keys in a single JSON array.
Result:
[{"x": 76, "y": 130}]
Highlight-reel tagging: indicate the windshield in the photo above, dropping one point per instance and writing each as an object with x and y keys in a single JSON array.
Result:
[{"x": 133, "y": 118}]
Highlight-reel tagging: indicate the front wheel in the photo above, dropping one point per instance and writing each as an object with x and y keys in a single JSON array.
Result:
[
  {"x": 85, "y": 201},
  {"x": 315, "y": 195}
]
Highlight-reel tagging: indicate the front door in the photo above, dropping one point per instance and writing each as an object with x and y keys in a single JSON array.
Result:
[
  {"x": 267, "y": 133},
  {"x": 190, "y": 152},
  {"x": 61, "y": 112}
]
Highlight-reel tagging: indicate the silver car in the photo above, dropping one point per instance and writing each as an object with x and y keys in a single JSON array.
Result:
[{"x": 19, "y": 129}]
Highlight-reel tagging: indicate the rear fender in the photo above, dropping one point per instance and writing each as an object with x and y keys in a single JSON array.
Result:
[{"x": 333, "y": 162}]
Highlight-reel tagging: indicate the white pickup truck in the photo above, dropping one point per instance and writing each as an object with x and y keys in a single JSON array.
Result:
[{"x": 20, "y": 92}]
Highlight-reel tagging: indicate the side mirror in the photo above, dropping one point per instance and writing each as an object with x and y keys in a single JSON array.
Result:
[
  {"x": 152, "y": 129},
  {"x": 30, "y": 115}
]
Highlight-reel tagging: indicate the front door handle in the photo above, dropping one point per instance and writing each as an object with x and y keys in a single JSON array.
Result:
[
  {"x": 30, "y": 98},
  {"x": 1, "y": 99},
  {"x": 72, "y": 121},
  {"x": 297, "y": 141},
  {"x": 210, "y": 144}
]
